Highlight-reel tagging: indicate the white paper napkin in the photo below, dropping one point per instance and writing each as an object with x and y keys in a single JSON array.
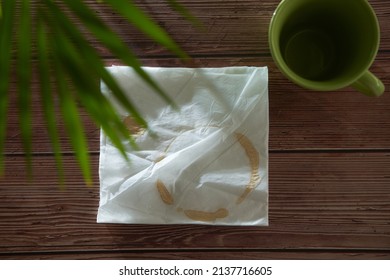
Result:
[{"x": 206, "y": 163}]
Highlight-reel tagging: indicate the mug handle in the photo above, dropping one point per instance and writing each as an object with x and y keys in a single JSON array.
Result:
[{"x": 369, "y": 84}]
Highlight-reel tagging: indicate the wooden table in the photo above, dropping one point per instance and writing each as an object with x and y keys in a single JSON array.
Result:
[{"x": 329, "y": 161}]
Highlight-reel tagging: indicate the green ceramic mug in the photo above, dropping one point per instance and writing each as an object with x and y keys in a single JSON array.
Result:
[{"x": 326, "y": 44}]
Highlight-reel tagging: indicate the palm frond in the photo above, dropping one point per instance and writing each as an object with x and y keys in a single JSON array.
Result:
[
  {"x": 84, "y": 67},
  {"x": 116, "y": 45},
  {"x": 73, "y": 123},
  {"x": 69, "y": 69},
  {"x": 47, "y": 97},
  {"x": 6, "y": 30},
  {"x": 23, "y": 70}
]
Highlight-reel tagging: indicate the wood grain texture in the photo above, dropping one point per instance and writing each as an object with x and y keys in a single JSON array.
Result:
[
  {"x": 200, "y": 254},
  {"x": 329, "y": 163},
  {"x": 317, "y": 200}
]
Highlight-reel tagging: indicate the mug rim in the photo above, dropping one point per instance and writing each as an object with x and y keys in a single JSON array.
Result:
[{"x": 311, "y": 84}]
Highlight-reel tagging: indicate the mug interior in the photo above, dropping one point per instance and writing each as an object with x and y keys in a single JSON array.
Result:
[{"x": 324, "y": 44}]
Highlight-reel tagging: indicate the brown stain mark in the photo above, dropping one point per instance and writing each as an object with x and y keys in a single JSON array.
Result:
[
  {"x": 254, "y": 161},
  {"x": 132, "y": 126},
  {"x": 165, "y": 195},
  {"x": 206, "y": 216}
]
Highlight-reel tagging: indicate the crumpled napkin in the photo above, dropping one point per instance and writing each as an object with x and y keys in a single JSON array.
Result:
[{"x": 206, "y": 163}]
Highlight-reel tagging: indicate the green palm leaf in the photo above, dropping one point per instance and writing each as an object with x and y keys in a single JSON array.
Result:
[
  {"x": 71, "y": 68},
  {"x": 24, "y": 79},
  {"x": 86, "y": 49},
  {"x": 46, "y": 96},
  {"x": 6, "y": 30},
  {"x": 73, "y": 125},
  {"x": 84, "y": 67},
  {"x": 116, "y": 45}
]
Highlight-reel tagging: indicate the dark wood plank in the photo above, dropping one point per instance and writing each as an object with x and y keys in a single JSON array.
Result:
[
  {"x": 317, "y": 201},
  {"x": 200, "y": 255}
]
